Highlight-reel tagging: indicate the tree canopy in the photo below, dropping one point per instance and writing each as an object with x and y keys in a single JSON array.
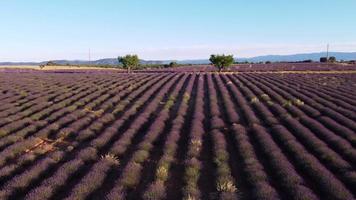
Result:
[
  {"x": 129, "y": 61},
  {"x": 331, "y": 59},
  {"x": 323, "y": 59},
  {"x": 221, "y": 61}
]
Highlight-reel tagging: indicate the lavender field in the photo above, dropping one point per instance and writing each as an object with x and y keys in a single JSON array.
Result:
[{"x": 178, "y": 134}]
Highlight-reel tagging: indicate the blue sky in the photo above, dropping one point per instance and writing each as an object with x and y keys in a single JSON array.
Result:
[{"x": 34, "y": 30}]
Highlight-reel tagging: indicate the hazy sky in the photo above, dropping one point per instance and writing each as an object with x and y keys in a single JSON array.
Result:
[{"x": 34, "y": 30}]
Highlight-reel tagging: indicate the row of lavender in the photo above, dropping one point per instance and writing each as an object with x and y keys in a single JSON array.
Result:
[
  {"x": 147, "y": 136},
  {"x": 77, "y": 124}
]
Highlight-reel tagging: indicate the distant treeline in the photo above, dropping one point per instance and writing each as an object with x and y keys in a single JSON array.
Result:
[
  {"x": 175, "y": 64},
  {"x": 138, "y": 67}
]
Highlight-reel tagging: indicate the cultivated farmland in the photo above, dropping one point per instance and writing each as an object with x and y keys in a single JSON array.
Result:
[{"x": 177, "y": 134}]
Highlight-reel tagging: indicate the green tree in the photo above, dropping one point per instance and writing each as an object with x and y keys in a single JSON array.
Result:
[
  {"x": 129, "y": 61},
  {"x": 332, "y": 59},
  {"x": 323, "y": 60},
  {"x": 221, "y": 61},
  {"x": 51, "y": 63},
  {"x": 173, "y": 64}
]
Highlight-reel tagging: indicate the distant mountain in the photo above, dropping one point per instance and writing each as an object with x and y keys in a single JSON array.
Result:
[
  {"x": 18, "y": 63},
  {"x": 273, "y": 58},
  {"x": 284, "y": 58},
  {"x": 301, "y": 57}
]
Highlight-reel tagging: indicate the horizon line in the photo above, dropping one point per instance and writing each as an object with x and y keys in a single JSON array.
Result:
[{"x": 187, "y": 59}]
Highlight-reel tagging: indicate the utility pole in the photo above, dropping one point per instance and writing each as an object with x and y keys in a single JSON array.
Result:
[
  {"x": 89, "y": 57},
  {"x": 327, "y": 52}
]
